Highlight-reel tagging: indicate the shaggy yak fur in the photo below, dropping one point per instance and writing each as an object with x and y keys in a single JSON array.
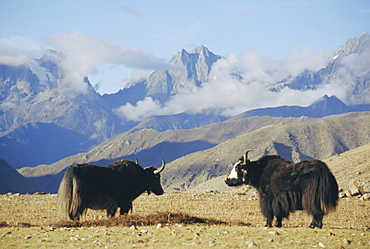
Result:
[
  {"x": 117, "y": 185},
  {"x": 285, "y": 187}
]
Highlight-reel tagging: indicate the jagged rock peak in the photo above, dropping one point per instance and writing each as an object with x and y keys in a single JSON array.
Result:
[
  {"x": 201, "y": 50},
  {"x": 52, "y": 55},
  {"x": 354, "y": 45},
  {"x": 326, "y": 100}
]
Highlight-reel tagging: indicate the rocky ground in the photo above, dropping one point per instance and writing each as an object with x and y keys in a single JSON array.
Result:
[{"x": 179, "y": 220}]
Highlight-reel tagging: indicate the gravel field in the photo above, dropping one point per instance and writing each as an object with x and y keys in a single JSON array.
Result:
[{"x": 209, "y": 219}]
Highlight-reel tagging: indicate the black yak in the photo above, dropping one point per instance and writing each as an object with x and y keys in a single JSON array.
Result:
[
  {"x": 285, "y": 187},
  {"x": 117, "y": 185}
]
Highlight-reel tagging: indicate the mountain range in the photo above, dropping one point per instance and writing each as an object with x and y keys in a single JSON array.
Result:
[
  {"x": 349, "y": 68},
  {"x": 53, "y": 126}
]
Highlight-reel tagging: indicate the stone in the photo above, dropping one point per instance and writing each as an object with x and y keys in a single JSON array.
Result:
[
  {"x": 353, "y": 188},
  {"x": 250, "y": 244},
  {"x": 365, "y": 196},
  {"x": 346, "y": 241},
  {"x": 274, "y": 232},
  {"x": 348, "y": 193},
  {"x": 133, "y": 227},
  {"x": 322, "y": 245},
  {"x": 362, "y": 186}
]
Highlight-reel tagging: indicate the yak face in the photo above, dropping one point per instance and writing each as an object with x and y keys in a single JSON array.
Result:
[
  {"x": 239, "y": 173},
  {"x": 154, "y": 179}
]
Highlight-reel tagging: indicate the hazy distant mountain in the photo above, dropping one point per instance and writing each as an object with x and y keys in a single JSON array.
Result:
[
  {"x": 349, "y": 68},
  {"x": 177, "y": 122},
  {"x": 41, "y": 93},
  {"x": 144, "y": 144},
  {"x": 12, "y": 181},
  {"x": 149, "y": 145},
  {"x": 320, "y": 108},
  {"x": 187, "y": 69},
  {"x": 40, "y": 142}
]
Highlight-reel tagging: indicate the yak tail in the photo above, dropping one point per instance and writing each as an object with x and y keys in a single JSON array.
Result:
[
  {"x": 328, "y": 192},
  {"x": 321, "y": 194},
  {"x": 69, "y": 198}
]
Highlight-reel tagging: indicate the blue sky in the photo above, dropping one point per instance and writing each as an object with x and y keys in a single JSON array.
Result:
[{"x": 120, "y": 41}]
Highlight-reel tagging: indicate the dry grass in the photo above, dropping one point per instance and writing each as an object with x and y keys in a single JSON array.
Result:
[
  {"x": 208, "y": 208},
  {"x": 209, "y": 219}
]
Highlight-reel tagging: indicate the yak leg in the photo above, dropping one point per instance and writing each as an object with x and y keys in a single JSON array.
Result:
[
  {"x": 278, "y": 222},
  {"x": 76, "y": 214},
  {"x": 74, "y": 217},
  {"x": 111, "y": 211},
  {"x": 317, "y": 214},
  {"x": 265, "y": 204},
  {"x": 316, "y": 221},
  {"x": 126, "y": 207},
  {"x": 269, "y": 219}
]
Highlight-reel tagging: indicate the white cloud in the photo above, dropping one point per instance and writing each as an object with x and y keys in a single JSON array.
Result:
[
  {"x": 16, "y": 51},
  {"x": 143, "y": 109},
  {"x": 228, "y": 94},
  {"x": 14, "y": 58},
  {"x": 138, "y": 75},
  {"x": 84, "y": 54}
]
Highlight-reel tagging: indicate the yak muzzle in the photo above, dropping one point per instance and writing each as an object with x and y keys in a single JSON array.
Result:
[{"x": 233, "y": 182}]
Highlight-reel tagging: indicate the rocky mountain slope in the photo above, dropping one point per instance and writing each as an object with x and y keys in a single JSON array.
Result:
[
  {"x": 140, "y": 144},
  {"x": 349, "y": 68},
  {"x": 41, "y": 93},
  {"x": 293, "y": 141},
  {"x": 197, "y": 155},
  {"x": 12, "y": 181},
  {"x": 188, "y": 69},
  {"x": 38, "y": 142}
]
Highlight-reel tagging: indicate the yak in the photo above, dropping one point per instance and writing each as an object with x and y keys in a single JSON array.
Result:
[
  {"x": 284, "y": 187},
  {"x": 116, "y": 185}
]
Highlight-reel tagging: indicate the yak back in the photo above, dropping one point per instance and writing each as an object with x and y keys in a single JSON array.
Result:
[
  {"x": 127, "y": 167},
  {"x": 138, "y": 181},
  {"x": 118, "y": 181},
  {"x": 260, "y": 172},
  {"x": 280, "y": 175}
]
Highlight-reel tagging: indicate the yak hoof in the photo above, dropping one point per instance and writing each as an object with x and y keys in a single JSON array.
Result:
[
  {"x": 312, "y": 225},
  {"x": 278, "y": 224}
]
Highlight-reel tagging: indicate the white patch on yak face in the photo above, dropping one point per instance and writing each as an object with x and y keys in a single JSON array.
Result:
[{"x": 234, "y": 174}]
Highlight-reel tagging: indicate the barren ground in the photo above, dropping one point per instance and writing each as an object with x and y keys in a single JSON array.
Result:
[{"x": 208, "y": 219}]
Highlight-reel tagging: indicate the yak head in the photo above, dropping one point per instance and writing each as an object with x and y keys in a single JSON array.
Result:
[
  {"x": 239, "y": 172},
  {"x": 154, "y": 183}
]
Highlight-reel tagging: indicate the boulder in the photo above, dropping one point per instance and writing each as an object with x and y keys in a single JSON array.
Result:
[
  {"x": 353, "y": 188},
  {"x": 362, "y": 186}
]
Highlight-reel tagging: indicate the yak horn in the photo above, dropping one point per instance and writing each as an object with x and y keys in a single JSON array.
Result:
[
  {"x": 159, "y": 170},
  {"x": 246, "y": 157},
  {"x": 137, "y": 161}
]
